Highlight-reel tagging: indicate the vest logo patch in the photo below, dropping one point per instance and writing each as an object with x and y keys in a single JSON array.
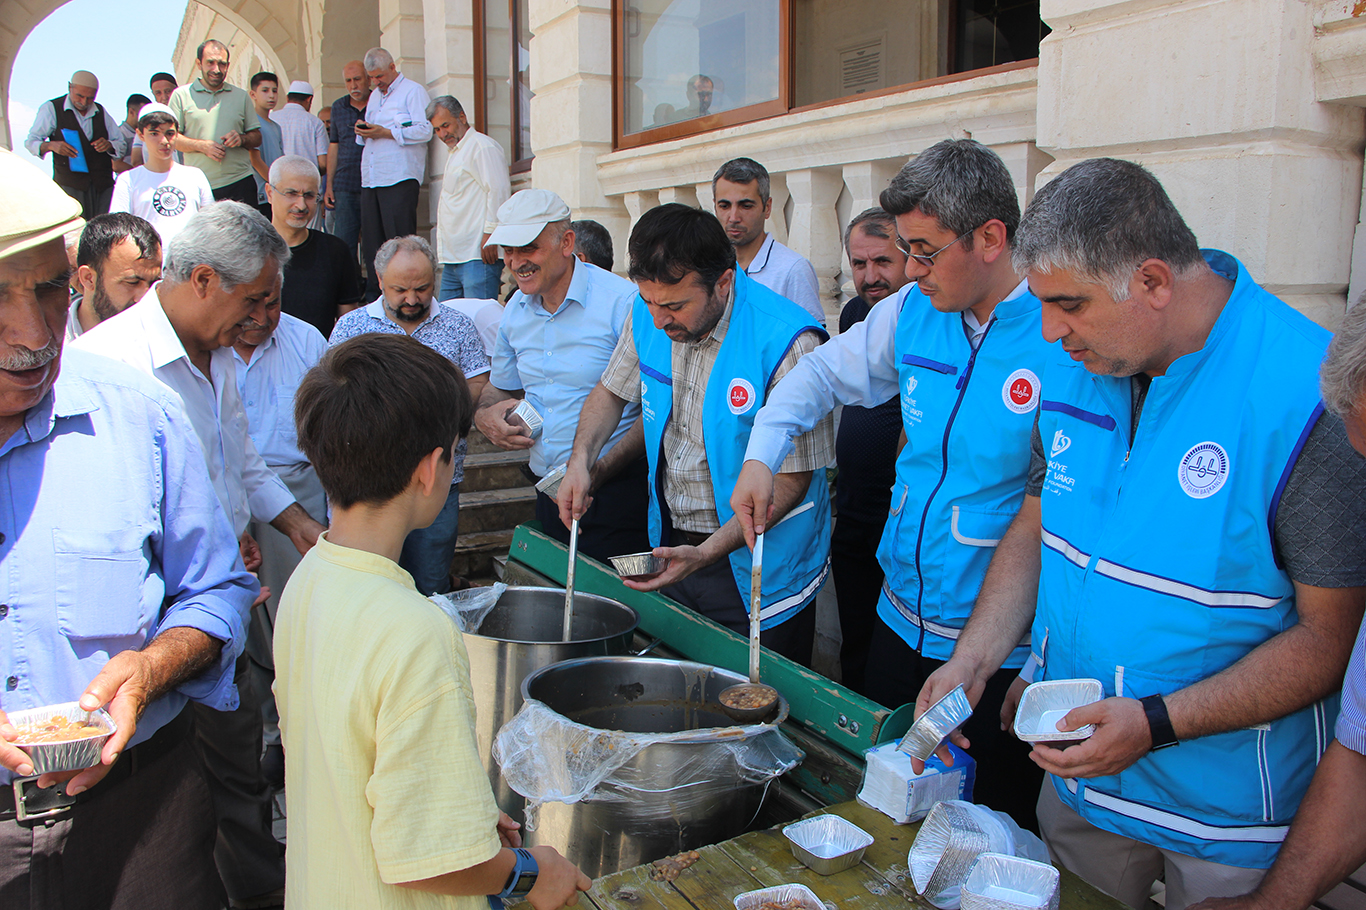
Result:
[
  {"x": 1061, "y": 444},
  {"x": 910, "y": 414},
  {"x": 1020, "y": 392},
  {"x": 740, "y": 396},
  {"x": 169, "y": 201},
  {"x": 1203, "y": 470}
]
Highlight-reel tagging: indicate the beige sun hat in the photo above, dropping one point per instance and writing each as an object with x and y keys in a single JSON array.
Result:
[{"x": 33, "y": 209}]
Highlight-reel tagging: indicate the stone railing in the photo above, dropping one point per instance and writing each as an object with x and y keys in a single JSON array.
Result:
[{"x": 828, "y": 164}]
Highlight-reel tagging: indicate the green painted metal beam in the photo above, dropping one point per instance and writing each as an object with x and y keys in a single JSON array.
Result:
[{"x": 845, "y": 718}]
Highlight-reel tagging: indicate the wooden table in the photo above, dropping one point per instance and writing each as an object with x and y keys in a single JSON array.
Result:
[{"x": 763, "y": 858}]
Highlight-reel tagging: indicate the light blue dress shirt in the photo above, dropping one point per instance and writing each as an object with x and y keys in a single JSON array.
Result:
[
  {"x": 557, "y": 358},
  {"x": 110, "y": 534},
  {"x": 1351, "y": 724},
  {"x": 267, "y": 385}
]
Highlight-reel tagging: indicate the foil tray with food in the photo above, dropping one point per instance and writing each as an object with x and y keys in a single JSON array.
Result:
[{"x": 62, "y": 737}]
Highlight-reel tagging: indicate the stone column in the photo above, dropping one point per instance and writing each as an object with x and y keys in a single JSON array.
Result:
[
  {"x": 683, "y": 195},
  {"x": 571, "y": 113},
  {"x": 866, "y": 180},
  {"x": 777, "y": 221},
  {"x": 815, "y": 229},
  {"x": 1218, "y": 100},
  {"x": 401, "y": 34}
]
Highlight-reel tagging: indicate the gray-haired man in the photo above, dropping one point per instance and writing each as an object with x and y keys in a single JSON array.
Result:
[
  {"x": 474, "y": 184},
  {"x": 1182, "y": 540},
  {"x": 221, "y": 270}
]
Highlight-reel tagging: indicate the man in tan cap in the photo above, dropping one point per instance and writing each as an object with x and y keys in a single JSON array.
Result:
[
  {"x": 122, "y": 588},
  {"x": 85, "y": 141}
]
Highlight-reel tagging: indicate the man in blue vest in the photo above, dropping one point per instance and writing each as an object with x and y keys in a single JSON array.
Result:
[
  {"x": 703, "y": 347},
  {"x": 1191, "y": 537},
  {"x": 963, "y": 349}
]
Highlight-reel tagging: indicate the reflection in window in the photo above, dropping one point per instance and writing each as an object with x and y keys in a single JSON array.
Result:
[
  {"x": 507, "y": 100},
  {"x": 843, "y": 48},
  {"x": 688, "y": 58}
]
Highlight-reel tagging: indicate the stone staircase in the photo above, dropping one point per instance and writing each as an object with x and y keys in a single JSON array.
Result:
[{"x": 495, "y": 496}]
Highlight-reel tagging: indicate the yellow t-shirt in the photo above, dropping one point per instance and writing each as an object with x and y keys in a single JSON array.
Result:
[{"x": 377, "y": 716}]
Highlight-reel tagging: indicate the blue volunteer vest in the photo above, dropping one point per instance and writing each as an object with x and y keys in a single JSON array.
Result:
[
  {"x": 960, "y": 478},
  {"x": 763, "y": 327},
  {"x": 1158, "y": 568}
]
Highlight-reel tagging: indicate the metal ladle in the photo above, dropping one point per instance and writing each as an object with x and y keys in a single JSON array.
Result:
[
  {"x": 569, "y": 578},
  {"x": 764, "y": 698}
]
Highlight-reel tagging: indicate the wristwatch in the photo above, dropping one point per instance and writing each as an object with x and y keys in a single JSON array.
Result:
[
  {"x": 1159, "y": 722},
  {"x": 523, "y": 877}
]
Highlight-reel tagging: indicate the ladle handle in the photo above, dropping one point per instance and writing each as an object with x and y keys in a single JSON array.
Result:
[
  {"x": 755, "y": 597},
  {"x": 569, "y": 578}
]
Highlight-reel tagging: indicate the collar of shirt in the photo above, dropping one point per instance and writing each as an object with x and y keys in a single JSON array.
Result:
[
  {"x": 66, "y": 398},
  {"x": 199, "y": 86},
  {"x": 975, "y": 330},
  {"x": 377, "y": 310},
  {"x": 718, "y": 332},
  {"x": 256, "y": 353},
  {"x": 88, "y": 114},
  {"x": 761, "y": 258},
  {"x": 163, "y": 343},
  {"x": 577, "y": 293},
  {"x": 399, "y": 80}
]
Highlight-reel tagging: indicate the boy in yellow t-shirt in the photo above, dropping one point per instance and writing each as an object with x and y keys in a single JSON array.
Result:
[{"x": 389, "y": 805}]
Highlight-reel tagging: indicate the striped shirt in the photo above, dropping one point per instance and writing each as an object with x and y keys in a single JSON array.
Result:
[{"x": 687, "y": 480}]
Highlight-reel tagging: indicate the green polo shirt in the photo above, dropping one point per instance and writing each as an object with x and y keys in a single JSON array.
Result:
[{"x": 205, "y": 114}]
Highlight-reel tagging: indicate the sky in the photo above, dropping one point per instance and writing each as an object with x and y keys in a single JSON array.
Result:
[{"x": 123, "y": 44}]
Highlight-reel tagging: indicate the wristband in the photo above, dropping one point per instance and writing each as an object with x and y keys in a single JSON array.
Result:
[
  {"x": 1159, "y": 723},
  {"x": 523, "y": 876}
]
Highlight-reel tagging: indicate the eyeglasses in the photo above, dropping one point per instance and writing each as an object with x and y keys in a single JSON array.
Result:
[
  {"x": 928, "y": 260},
  {"x": 293, "y": 195}
]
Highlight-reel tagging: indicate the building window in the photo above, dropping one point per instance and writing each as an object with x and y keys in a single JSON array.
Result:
[
  {"x": 503, "y": 56},
  {"x": 686, "y": 66}
]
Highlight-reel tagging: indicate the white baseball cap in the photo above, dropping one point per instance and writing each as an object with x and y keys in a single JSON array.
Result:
[
  {"x": 300, "y": 87},
  {"x": 522, "y": 218},
  {"x": 157, "y": 107}
]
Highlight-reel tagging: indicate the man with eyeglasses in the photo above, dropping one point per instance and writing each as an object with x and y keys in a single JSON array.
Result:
[
  {"x": 963, "y": 348},
  {"x": 322, "y": 279}
]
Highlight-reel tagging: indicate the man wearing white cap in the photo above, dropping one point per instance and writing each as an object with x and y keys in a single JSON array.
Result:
[
  {"x": 84, "y": 140},
  {"x": 303, "y": 134},
  {"x": 122, "y": 587},
  {"x": 165, "y": 193},
  {"x": 557, "y": 335}
]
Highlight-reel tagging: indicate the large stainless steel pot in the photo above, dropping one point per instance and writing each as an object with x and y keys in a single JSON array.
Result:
[
  {"x": 662, "y": 801},
  {"x": 521, "y": 635}
]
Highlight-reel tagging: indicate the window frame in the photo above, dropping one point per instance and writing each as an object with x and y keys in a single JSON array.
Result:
[
  {"x": 622, "y": 141},
  {"x": 519, "y": 165}
]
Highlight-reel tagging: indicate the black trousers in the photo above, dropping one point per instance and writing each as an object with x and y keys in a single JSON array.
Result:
[
  {"x": 385, "y": 212},
  {"x": 144, "y": 843},
  {"x": 615, "y": 523},
  {"x": 858, "y": 583},
  {"x": 1006, "y": 779},
  {"x": 243, "y": 191},
  {"x": 228, "y": 743},
  {"x": 94, "y": 200},
  {"x": 712, "y": 592}
]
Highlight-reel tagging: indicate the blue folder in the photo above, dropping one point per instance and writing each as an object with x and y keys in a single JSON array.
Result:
[{"x": 78, "y": 164}]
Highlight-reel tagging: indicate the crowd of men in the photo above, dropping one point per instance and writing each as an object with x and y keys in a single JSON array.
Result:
[{"x": 1073, "y": 444}]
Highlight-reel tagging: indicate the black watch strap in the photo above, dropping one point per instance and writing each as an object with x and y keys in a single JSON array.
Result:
[{"x": 1159, "y": 722}]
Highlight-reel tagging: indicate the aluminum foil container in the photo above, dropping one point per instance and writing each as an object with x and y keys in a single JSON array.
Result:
[
  {"x": 935, "y": 725},
  {"x": 73, "y": 755},
  {"x": 827, "y": 843},
  {"x": 527, "y": 415},
  {"x": 550, "y": 483},
  {"x": 1045, "y": 703},
  {"x": 1001, "y": 882},
  {"x": 948, "y": 843},
  {"x": 638, "y": 565},
  {"x": 802, "y": 896}
]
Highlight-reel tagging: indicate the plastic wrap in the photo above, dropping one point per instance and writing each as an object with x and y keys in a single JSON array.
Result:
[
  {"x": 795, "y": 897},
  {"x": 1044, "y": 704},
  {"x": 1000, "y": 882},
  {"x": 470, "y": 607},
  {"x": 546, "y": 757},
  {"x": 70, "y": 755},
  {"x": 935, "y": 725},
  {"x": 951, "y": 838},
  {"x": 827, "y": 843}
]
